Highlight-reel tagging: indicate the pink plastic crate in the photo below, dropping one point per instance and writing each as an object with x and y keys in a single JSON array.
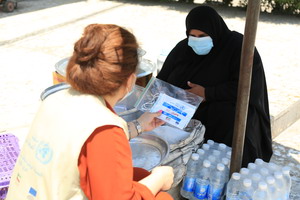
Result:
[{"x": 9, "y": 151}]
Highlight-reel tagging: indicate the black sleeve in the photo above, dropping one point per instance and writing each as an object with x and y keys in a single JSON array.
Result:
[{"x": 227, "y": 91}]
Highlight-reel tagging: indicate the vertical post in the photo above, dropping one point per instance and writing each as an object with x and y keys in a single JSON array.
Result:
[{"x": 246, "y": 64}]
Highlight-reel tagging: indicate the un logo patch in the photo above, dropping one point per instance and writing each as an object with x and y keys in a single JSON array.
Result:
[{"x": 44, "y": 153}]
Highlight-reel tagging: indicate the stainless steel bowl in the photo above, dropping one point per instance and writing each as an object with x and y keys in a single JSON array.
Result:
[{"x": 148, "y": 151}]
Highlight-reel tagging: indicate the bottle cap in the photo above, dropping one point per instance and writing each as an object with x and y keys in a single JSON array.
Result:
[
  {"x": 195, "y": 156},
  {"x": 262, "y": 185},
  {"x": 252, "y": 166},
  {"x": 286, "y": 170},
  {"x": 270, "y": 180},
  {"x": 210, "y": 142},
  {"x": 259, "y": 161},
  {"x": 225, "y": 161},
  {"x": 244, "y": 171},
  {"x": 216, "y": 153},
  {"x": 222, "y": 146},
  {"x": 247, "y": 182},
  {"x": 256, "y": 177},
  {"x": 206, "y": 163},
  {"x": 205, "y": 147},
  {"x": 220, "y": 167},
  {"x": 236, "y": 176},
  {"x": 201, "y": 152},
  {"x": 212, "y": 158},
  {"x": 278, "y": 174},
  {"x": 264, "y": 171}
]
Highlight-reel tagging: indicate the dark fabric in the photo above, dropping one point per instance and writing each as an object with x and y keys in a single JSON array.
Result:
[{"x": 218, "y": 72}]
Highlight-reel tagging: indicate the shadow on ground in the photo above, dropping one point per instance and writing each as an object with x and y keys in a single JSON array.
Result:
[
  {"x": 25, "y": 6},
  {"x": 225, "y": 11}
]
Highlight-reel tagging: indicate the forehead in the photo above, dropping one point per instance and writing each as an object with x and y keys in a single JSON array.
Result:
[{"x": 196, "y": 32}]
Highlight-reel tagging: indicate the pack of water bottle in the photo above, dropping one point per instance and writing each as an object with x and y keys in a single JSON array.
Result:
[
  {"x": 260, "y": 181},
  {"x": 207, "y": 172}
]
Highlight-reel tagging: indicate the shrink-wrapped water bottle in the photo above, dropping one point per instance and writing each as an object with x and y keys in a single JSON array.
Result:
[
  {"x": 233, "y": 187},
  {"x": 189, "y": 179},
  {"x": 272, "y": 168},
  {"x": 216, "y": 153},
  {"x": 287, "y": 180},
  {"x": 228, "y": 154},
  {"x": 261, "y": 192},
  {"x": 259, "y": 162},
  {"x": 202, "y": 182},
  {"x": 264, "y": 172},
  {"x": 206, "y": 148},
  {"x": 256, "y": 178},
  {"x": 272, "y": 187},
  {"x": 225, "y": 162},
  {"x": 252, "y": 168},
  {"x": 217, "y": 183},
  {"x": 244, "y": 173},
  {"x": 222, "y": 147},
  {"x": 212, "y": 144},
  {"x": 201, "y": 154},
  {"x": 280, "y": 185},
  {"x": 247, "y": 191}
]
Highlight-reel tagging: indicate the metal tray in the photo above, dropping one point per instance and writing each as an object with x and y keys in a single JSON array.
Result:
[{"x": 148, "y": 151}]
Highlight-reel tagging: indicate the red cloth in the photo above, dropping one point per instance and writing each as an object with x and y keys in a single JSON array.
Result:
[{"x": 106, "y": 171}]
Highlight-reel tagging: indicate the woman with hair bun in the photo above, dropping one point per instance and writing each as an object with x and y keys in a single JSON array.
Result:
[{"x": 77, "y": 147}]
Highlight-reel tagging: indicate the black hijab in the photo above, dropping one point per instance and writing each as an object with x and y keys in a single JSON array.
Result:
[{"x": 206, "y": 19}]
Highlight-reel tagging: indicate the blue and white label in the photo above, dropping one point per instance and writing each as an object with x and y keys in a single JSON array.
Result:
[
  {"x": 215, "y": 194},
  {"x": 188, "y": 184},
  {"x": 175, "y": 112},
  {"x": 200, "y": 191}
]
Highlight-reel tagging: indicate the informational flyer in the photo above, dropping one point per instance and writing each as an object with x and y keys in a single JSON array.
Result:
[{"x": 175, "y": 112}]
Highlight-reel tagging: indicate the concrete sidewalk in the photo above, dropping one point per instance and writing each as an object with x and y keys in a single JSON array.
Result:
[{"x": 40, "y": 33}]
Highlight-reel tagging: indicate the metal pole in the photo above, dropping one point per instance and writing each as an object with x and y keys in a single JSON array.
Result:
[{"x": 252, "y": 17}]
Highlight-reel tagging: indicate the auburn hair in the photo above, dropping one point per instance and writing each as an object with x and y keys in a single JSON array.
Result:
[{"x": 103, "y": 59}]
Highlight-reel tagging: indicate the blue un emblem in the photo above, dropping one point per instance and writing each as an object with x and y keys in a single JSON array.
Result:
[{"x": 44, "y": 153}]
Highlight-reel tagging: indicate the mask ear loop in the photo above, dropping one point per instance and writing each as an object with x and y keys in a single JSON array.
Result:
[{"x": 148, "y": 105}]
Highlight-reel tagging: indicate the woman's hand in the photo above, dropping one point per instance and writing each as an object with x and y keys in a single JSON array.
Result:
[
  {"x": 161, "y": 178},
  {"x": 167, "y": 173},
  {"x": 196, "y": 89},
  {"x": 149, "y": 121}
]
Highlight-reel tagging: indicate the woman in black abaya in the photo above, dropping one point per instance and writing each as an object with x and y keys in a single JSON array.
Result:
[{"x": 207, "y": 63}]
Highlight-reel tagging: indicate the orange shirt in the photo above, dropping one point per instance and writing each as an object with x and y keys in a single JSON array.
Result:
[{"x": 106, "y": 171}]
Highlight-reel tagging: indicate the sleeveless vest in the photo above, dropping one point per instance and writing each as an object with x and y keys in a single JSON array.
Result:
[{"x": 47, "y": 167}]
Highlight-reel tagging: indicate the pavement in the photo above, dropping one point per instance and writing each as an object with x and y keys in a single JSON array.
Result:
[{"x": 39, "y": 33}]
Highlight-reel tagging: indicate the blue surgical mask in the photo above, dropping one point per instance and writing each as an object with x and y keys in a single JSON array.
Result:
[{"x": 200, "y": 45}]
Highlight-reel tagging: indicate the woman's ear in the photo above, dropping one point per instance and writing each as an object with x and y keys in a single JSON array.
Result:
[{"x": 131, "y": 81}]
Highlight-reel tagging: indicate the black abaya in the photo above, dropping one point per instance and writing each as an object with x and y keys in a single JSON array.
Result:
[{"x": 218, "y": 73}]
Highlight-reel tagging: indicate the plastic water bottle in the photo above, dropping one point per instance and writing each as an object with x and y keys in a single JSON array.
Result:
[
  {"x": 228, "y": 154},
  {"x": 252, "y": 168},
  {"x": 287, "y": 180},
  {"x": 189, "y": 180},
  {"x": 216, "y": 153},
  {"x": 206, "y": 148},
  {"x": 280, "y": 185},
  {"x": 244, "y": 173},
  {"x": 233, "y": 187},
  {"x": 225, "y": 162},
  {"x": 256, "y": 178},
  {"x": 201, "y": 154},
  {"x": 222, "y": 147},
  {"x": 202, "y": 182},
  {"x": 271, "y": 187},
  {"x": 247, "y": 191},
  {"x": 217, "y": 183},
  {"x": 272, "y": 168},
  {"x": 262, "y": 192},
  {"x": 264, "y": 172},
  {"x": 211, "y": 143},
  {"x": 259, "y": 162}
]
